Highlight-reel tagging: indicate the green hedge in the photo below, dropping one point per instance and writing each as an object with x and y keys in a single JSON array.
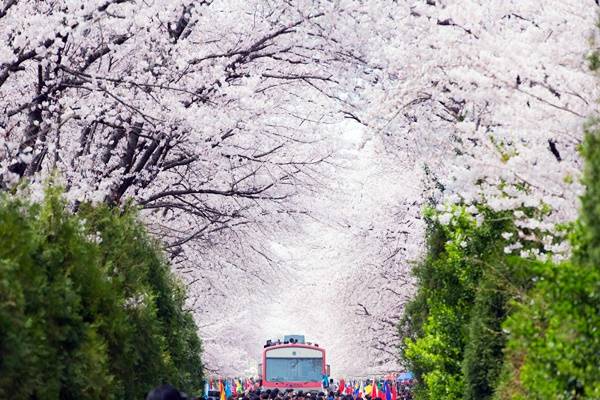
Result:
[
  {"x": 485, "y": 324},
  {"x": 88, "y": 306},
  {"x": 553, "y": 351},
  {"x": 554, "y": 346},
  {"x": 453, "y": 338}
]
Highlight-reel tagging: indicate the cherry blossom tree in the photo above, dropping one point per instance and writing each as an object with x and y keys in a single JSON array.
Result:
[
  {"x": 221, "y": 118},
  {"x": 486, "y": 93},
  {"x": 482, "y": 102},
  {"x": 201, "y": 112}
]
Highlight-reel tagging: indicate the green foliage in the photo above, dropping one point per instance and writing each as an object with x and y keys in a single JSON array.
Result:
[
  {"x": 505, "y": 150},
  {"x": 594, "y": 61},
  {"x": 483, "y": 349},
  {"x": 554, "y": 346},
  {"x": 587, "y": 243},
  {"x": 508, "y": 278},
  {"x": 439, "y": 325},
  {"x": 88, "y": 306},
  {"x": 485, "y": 324}
]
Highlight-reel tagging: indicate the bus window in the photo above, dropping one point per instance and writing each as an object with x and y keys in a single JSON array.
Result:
[{"x": 294, "y": 369}]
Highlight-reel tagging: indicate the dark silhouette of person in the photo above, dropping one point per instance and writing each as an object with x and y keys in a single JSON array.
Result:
[{"x": 165, "y": 392}]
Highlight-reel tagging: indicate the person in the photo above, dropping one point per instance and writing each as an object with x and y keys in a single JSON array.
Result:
[{"x": 165, "y": 392}]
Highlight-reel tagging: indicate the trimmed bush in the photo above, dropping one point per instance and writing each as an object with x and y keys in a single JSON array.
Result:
[
  {"x": 485, "y": 324},
  {"x": 452, "y": 311},
  {"x": 88, "y": 306},
  {"x": 554, "y": 346}
]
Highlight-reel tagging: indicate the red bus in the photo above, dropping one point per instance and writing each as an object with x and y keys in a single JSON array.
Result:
[{"x": 293, "y": 364}]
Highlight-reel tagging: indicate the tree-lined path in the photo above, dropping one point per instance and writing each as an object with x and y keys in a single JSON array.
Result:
[{"x": 412, "y": 183}]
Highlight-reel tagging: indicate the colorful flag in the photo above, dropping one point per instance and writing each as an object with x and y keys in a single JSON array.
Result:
[
  {"x": 206, "y": 389},
  {"x": 325, "y": 382},
  {"x": 227, "y": 389},
  {"x": 388, "y": 391},
  {"x": 342, "y": 387},
  {"x": 374, "y": 392},
  {"x": 222, "y": 391},
  {"x": 361, "y": 390}
]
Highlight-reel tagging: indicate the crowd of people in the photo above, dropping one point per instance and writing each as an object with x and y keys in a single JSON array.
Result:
[
  {"x": 234, "y": 389},
  {"x": 388, "y": 388},
  {"x": 290, "y": 394}
]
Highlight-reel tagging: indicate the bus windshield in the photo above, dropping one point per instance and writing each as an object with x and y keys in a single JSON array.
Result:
[{"x": 294, "y": 369}]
